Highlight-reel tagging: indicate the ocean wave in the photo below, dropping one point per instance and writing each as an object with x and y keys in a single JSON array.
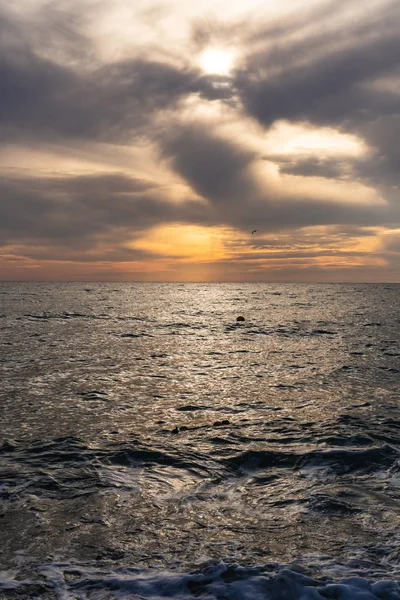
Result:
[{"x": 213, "y": 581}]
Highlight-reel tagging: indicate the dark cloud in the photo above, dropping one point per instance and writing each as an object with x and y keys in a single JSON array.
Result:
[
  {"x": 392, "y": 244},
  {"x": 45, "y": 96},
  {"x": 313, "y": 167},
  {"x": 321, "y": 78},
  {"x": 41, "y": 100},
  {"x": 56, "y": 28},
  {"x": 218, "y": 169},
  {"x": 83, "y": 213},
  {"x": 215, "y": 167},
  {"x": 382, "y": 168}
]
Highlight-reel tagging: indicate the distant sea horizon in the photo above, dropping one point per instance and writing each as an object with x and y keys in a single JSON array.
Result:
[{"x": 272, "y": 282}]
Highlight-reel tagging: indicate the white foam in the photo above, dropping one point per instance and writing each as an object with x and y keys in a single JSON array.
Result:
[{"x": 215, "y": 580}]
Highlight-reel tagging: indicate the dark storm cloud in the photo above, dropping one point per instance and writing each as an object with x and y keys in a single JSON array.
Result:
[
  {"x": 82, "y": 212},
  {"x": 383, "y": 167},
  {"x": 45, "y": 99},
  {"x": 322, "y": 78},
  {"x": 217, "y": 168}
]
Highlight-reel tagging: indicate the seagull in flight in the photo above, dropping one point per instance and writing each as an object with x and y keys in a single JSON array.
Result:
[{"x": 254, "y": 230}]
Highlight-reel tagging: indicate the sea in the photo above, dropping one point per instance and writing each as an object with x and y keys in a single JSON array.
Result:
[{"x": 152, "y": 446}]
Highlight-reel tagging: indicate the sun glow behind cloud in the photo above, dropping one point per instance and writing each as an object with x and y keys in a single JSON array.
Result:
[
  {"x": 217, "y": 61},
  {"x": 185, "y": 242}
]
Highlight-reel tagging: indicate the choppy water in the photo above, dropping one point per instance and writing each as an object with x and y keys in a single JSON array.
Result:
[{"x": 152, "y": 447}]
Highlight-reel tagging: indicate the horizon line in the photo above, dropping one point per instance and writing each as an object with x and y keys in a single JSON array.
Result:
[{"x": 88, "y": 281}]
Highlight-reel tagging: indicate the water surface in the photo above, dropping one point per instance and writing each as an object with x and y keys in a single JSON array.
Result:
[{"x": 151, "y": 445}]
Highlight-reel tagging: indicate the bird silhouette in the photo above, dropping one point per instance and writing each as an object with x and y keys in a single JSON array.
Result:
[{"x": 254, "y": 230}]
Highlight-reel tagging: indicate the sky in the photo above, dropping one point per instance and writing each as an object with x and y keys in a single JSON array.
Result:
[{"x": 144, "y": 140}]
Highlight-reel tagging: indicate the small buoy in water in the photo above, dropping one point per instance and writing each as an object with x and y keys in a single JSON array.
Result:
[{"x": 240, "y": 318}]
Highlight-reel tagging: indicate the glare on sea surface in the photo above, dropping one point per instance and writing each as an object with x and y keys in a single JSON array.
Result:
[{"x": 217, "y": 61}]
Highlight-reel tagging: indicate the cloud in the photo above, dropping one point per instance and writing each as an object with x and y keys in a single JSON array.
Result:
[
  {"x": 84, "y": 212},
  {"x": 229, "y": 175},
  {"x": 321, "y": 78},
  {"x": 214, "y": 166},
  {"x": 101, "y": 216},
  {"x": 314, "y": 167},
  {"x": 201, "y": 150},
  {"x": 45, "y": 97}
]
